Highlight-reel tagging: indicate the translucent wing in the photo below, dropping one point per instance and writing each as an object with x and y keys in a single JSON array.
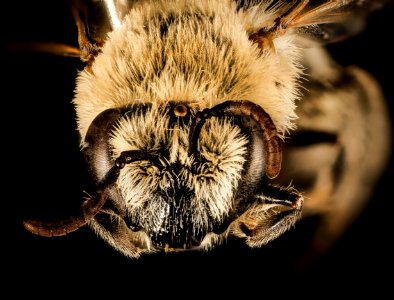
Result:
[
  {"x": 325, "y": 21},
  {"x": 357, "y": 13},
  {"x": 94, "y": 19}
]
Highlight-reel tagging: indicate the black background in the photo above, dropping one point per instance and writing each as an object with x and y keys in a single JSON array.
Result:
[{"x": 44, "y": 171}]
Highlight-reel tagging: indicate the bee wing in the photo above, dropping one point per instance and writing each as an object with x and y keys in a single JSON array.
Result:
[
  {"x": 94, "y": 19},
  {"x": 333, "y": 21},
  {"x": 325, "y": 21}
]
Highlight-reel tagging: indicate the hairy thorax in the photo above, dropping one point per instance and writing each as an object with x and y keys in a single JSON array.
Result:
[{"x": 186, "y": 53}]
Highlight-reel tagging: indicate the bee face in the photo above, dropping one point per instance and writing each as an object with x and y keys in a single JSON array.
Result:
[{"x": 175, "y": 197}]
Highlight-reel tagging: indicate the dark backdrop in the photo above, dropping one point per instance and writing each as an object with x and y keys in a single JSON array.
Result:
[{"x": 44, "y": 170}]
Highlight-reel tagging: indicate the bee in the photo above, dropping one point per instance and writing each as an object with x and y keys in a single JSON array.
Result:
[{"x": 186, "y": 110}]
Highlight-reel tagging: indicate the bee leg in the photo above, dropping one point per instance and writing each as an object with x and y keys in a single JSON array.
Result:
[
  {"x": 275, "y": 210},
  {"x": 265, "y": 215},
  {"x": 116, "y": 231}
]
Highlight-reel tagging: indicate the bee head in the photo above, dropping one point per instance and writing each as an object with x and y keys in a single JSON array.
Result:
[{"x": 180, "y": 170}]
